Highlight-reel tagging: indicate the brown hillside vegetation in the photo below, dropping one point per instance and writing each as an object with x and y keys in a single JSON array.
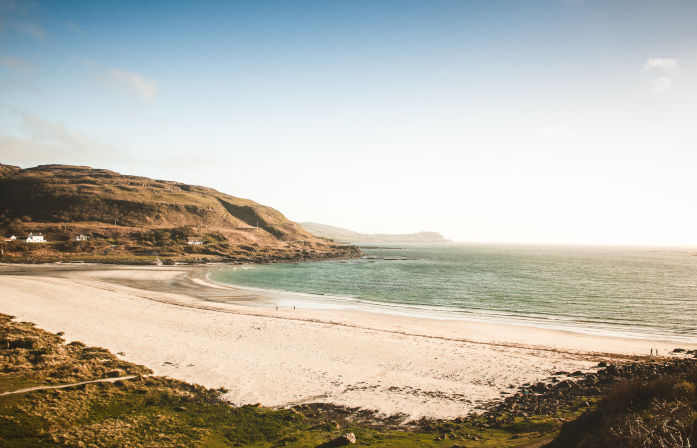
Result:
[
  {"x": 8, "y": 170},
  {"x": 137, "y": 216}
]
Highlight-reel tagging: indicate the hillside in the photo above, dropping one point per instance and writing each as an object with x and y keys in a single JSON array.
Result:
[
  {"x": 348, "y": 236},
  {"x": 8, "y": 170},
  {"x": 137, "y": 216}
]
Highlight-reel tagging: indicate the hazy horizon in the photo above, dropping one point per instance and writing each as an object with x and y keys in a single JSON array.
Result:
[{"x": 548, "y": 122}]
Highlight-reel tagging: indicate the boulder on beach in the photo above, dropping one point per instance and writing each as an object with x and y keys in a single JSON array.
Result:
[{"x": 346, "y": 439}]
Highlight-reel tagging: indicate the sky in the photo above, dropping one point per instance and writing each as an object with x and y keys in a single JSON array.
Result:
[{"x": 559, "y": 121}]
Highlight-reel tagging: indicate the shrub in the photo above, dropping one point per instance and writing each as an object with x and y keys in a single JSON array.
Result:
[
  {"x": 639, "y": 414},
  {"x": 634, "y": 394},
  {"x": 684, "y": 390},
  {"x": 664, "y": 424}
]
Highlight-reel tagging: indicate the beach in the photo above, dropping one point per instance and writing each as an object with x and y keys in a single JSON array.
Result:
[{"x": 174, "y": 321}]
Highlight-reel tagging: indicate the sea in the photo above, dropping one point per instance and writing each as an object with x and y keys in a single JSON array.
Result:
[{"x": 634, "y": 292}]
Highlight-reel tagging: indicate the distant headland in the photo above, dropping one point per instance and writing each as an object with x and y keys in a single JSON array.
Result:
[{"x": 349, "y": 236}]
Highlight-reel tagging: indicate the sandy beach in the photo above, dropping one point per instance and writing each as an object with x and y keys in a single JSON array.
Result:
[{"x": 174, "y": 321}]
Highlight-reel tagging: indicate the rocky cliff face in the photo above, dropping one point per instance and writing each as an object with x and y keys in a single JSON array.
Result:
[{"x": 63, "y": 200}]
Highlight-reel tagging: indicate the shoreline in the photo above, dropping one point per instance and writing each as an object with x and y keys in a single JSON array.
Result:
[
  {"x": 164, "y": 318},
  {"x": 334, "y": 302},
  {"x": 191, "y": 278}
]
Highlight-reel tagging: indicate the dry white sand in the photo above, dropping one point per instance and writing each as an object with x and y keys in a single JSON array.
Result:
[{"x": 393, "y": 364}]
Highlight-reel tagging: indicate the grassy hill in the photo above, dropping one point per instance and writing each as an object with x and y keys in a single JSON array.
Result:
[
  {"x": 349, "y": 236},
  {"x": 129, "y": 216}
]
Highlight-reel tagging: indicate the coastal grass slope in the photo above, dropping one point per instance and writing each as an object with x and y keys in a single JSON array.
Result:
[{"x": 135, "y": 219}]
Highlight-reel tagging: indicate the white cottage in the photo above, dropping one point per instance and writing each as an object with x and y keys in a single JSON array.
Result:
[
  {"x": 35, "y": 238},
  {"x": 11, "y": 238},
  {"x": 195, "y": 241},
  {"x": 81, "y": 237}
]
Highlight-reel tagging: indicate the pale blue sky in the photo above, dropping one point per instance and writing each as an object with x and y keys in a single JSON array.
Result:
[{"x": 548, "y": 121}]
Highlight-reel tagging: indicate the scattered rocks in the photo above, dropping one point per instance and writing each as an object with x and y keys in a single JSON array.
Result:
[
  {"x": 610, "y": 369},
  {"x": 548, "y": 399},
  {"x": 540, "y": 387},
  {"x": 346, "y": 439}
]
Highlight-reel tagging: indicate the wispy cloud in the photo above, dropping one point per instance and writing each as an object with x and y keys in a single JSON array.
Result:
[
  {"x": 15, "y": 63},
  {"x": 11, "y": 5},
  {"x": 11, "y": 83},
  {"x": 42, "y": 141},
  {"x": 665, "y": 67},
  {"x": 32, "y": 29},
  {"x": 661, "y": 84},
  {"x": 72, "y": 26},
  {"x": 57, "y": 132},
  {"x": 662, "y": 64},
  {"x": 563, "y": 131},
  {"x": 133, "y": 83}
]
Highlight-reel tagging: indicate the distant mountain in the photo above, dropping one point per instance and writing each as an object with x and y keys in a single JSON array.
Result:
[
  {"x": 349, "y": 236},
  {"x": 137, "y": 216}
]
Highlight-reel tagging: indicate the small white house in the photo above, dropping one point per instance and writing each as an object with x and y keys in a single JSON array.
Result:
[
  {"x": 35, "y": 238},
  {"x": 195, "y": 241},
  {"x": 11, "y": 238},
  {"x": 81, "y": 237}
]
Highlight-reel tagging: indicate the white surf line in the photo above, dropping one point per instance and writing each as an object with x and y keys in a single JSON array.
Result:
[{"x": 63, "y": 386}]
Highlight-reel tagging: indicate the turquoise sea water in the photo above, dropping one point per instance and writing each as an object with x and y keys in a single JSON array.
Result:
[{"x": 629, "y": 291}]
